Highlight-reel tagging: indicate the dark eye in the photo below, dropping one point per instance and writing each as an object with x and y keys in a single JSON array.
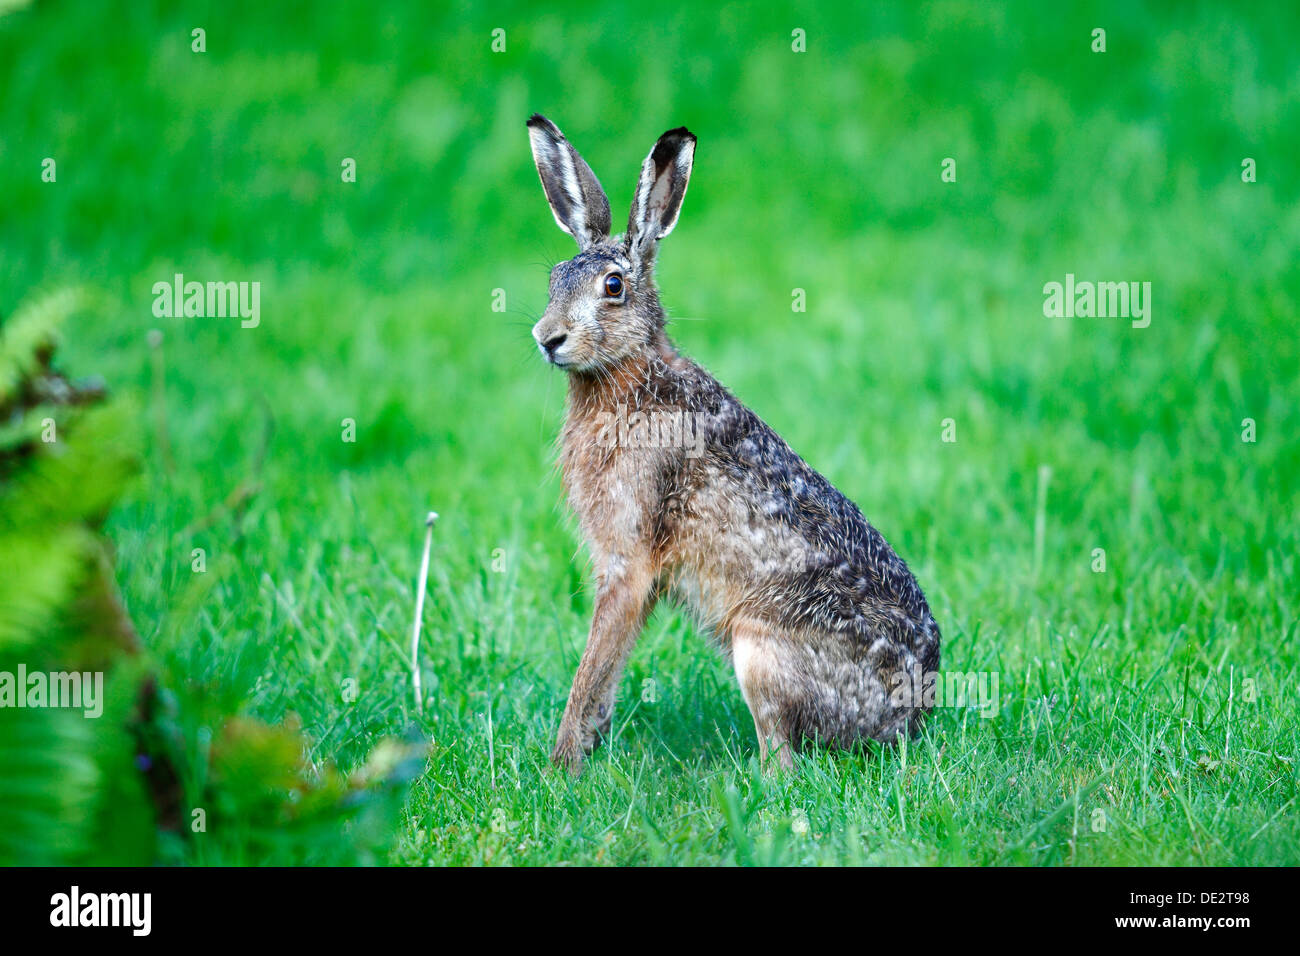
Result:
[{"x": 613, "y": 285}]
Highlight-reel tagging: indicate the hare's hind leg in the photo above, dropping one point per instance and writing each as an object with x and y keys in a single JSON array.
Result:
[{"x": 758, "y": 669}]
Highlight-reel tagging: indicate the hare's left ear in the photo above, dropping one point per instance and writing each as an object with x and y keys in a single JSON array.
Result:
[
  {"x": 660, "y": 190},
  {"x": 577, "y": 201}
]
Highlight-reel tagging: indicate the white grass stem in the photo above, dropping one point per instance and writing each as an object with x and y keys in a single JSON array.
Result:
[{"x": 419, "y": 612}]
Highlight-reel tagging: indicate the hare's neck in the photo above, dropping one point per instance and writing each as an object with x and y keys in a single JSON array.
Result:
[{"x": 593, "y": 393}]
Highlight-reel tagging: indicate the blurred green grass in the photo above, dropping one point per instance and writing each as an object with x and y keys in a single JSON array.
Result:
[{"x": 817, "y": 171}]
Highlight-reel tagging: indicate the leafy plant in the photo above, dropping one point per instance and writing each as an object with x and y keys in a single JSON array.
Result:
[{"x": 124, "y": 786}]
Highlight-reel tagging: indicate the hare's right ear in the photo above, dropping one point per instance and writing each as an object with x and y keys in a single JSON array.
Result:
[{"x": 577, "y": 201}]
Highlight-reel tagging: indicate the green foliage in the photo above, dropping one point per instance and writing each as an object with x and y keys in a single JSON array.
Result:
[
  {"x": 66, "y": 783},
  {"x": 100, "y": 788}
]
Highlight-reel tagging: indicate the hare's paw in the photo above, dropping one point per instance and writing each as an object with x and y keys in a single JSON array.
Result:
[
  {"x": 566, "y": 756},
  {"x": 570, "y": 751}
]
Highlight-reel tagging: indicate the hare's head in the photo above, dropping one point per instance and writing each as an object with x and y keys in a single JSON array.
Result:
[{"x": 603, "y": 305}]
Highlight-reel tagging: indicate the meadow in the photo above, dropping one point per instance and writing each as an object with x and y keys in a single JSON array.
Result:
[{"x": 1101, "y": 515}]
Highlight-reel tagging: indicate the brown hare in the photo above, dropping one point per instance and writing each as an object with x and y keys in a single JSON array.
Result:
[{"x": 683, "y": 493}]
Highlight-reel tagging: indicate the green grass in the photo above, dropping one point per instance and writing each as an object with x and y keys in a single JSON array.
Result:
[{"x": 1148, "y": 713}]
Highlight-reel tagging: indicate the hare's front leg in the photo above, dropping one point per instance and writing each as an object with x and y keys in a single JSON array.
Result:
[{"x": 624, "y": 599}]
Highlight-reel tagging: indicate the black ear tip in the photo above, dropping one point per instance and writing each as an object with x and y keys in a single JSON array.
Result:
[
  {"x": 671, "y": 144},
  {"x": 538, "y": 121}
]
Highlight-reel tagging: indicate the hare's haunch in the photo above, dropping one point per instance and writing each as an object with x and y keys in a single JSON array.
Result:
[{"x": 683, "y": 493}]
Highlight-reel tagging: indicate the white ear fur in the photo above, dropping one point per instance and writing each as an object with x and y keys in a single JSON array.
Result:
[
  {"x": 575, "y": 196},
  {"x": 665, "y": 174}
]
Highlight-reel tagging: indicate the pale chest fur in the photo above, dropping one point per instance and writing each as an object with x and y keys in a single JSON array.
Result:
[
  {"x": 712, "y": 551},
  {"x": 608, "y": 488}
]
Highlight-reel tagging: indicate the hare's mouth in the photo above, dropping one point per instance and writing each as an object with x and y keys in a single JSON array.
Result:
[{"x": 550, "y": 358}]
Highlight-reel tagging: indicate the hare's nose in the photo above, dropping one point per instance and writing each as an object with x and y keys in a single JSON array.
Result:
[{"x": 554, "y": 342}]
